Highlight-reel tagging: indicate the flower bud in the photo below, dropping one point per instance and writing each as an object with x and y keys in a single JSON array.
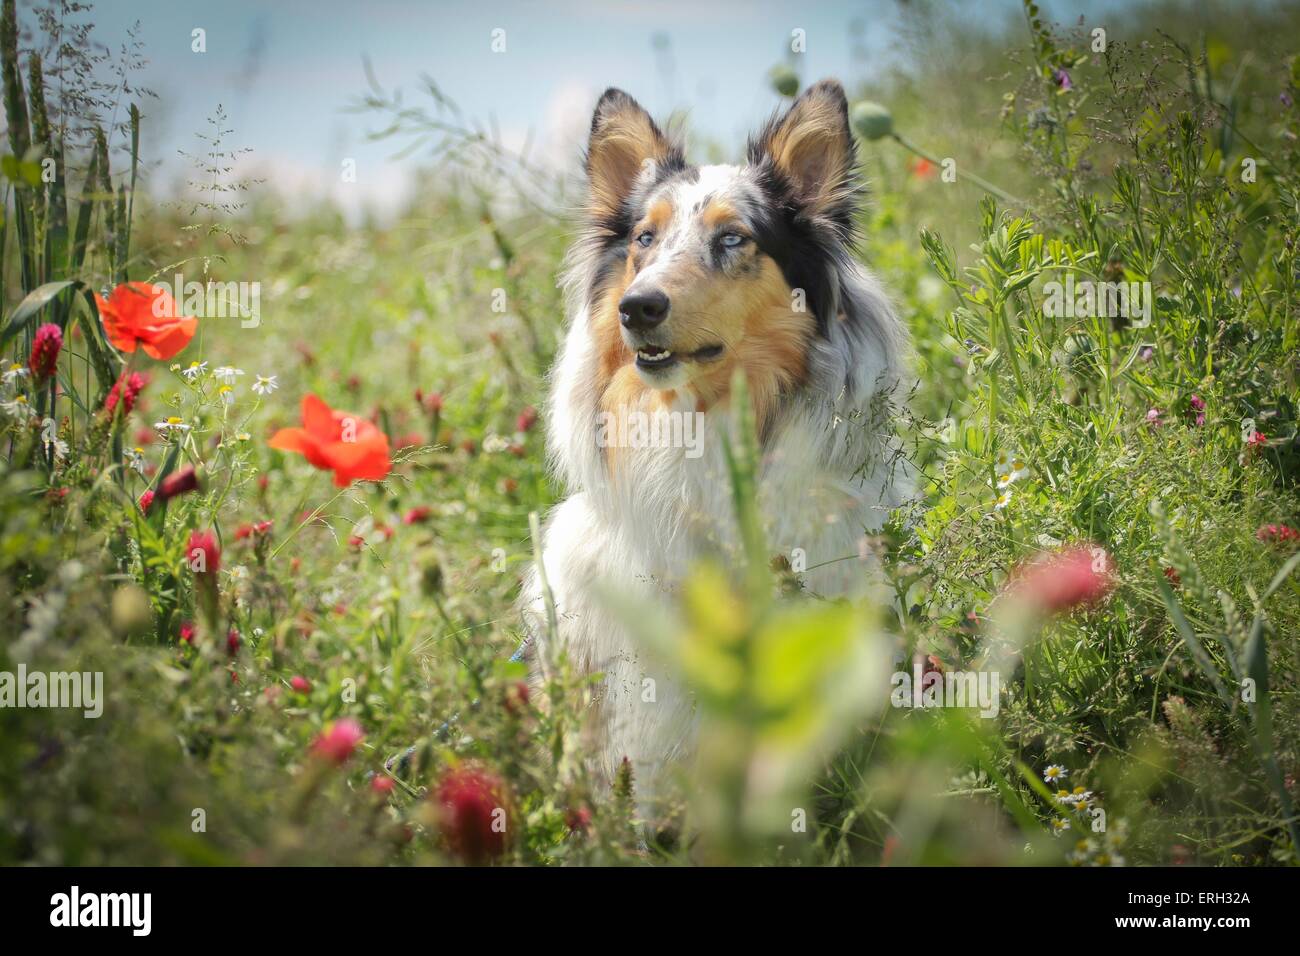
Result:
[
  {"x": 870, "y": 120},
  {"x": 784, "y": 80}
]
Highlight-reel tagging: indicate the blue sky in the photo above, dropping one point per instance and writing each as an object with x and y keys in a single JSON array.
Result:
[{"x": 285, "y": 71}]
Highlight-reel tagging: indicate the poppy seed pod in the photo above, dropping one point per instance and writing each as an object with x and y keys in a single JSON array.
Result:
[
  {"x": 871, "y": 121},
  {"x": 784, "y": 80},
  {"x": 431, "y": 577}
]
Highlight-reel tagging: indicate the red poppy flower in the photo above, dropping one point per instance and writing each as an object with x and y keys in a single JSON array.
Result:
[
  {"x": 144, "y": 315},
  {"x": 301, "y": 684},
  {"x": 349, "y": 445},
  {"x": 922, "y": 168}
]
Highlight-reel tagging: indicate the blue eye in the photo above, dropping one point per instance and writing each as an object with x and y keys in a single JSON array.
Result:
[
  {"x": 645, "y": 238},
  {"x": 732, "y": 239}
]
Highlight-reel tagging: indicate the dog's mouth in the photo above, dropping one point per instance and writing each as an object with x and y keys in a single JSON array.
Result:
[{"x": 651, "y": 358}]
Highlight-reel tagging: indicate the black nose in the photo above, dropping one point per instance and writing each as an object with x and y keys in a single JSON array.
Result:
[{"x": 643, "y": 311}]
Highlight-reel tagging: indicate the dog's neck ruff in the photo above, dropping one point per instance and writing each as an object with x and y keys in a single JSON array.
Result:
[{"x": 829, "y": 469}]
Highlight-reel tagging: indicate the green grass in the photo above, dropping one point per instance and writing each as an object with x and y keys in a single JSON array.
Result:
[{"x": 1173, "y": 701}]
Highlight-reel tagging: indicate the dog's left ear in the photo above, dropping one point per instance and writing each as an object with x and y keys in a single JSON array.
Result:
[{"x": 812, "y": 147}]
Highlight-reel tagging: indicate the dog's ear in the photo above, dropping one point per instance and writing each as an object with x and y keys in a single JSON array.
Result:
[
  {"x": 812, "y": 148},
  {"x": 624, "y": 141}
]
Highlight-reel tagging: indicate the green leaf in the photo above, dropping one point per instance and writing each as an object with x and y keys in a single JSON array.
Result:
[
  {"x": 20, "y": 172},
  {"x": 30, "y": 306},
  {"x": 1194, "y": 645}
]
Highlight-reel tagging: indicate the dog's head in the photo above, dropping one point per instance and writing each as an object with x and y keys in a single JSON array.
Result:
[{"x": 697, "y": 270}]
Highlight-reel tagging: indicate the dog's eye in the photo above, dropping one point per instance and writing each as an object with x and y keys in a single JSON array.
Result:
[
  {"x": 645, "y": 238},
  {"x": 732, "y": 239}
]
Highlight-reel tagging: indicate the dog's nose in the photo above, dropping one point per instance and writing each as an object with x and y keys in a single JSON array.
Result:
[{"x": 642, "y": 311}]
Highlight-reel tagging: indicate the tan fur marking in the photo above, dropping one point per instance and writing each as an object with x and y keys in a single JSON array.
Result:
[
  {"x": 620, "y": 387},
  {"x": 658, "y": 217},
  {"x": 771, "y": 346},
  {"x": 718, "y": 213},
  {"x": 618, "y": 150},
  {"x": 808, "y": 146}
]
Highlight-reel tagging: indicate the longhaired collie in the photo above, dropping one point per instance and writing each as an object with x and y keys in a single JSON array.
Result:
[{"x": 683, "y": 275}]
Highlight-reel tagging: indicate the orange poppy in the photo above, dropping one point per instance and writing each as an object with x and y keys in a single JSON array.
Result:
[
  {"x": 341, "y": 442},
  {"x": 137, "y": 313}
]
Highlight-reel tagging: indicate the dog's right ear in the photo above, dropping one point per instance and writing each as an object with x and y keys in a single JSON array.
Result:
[{"x": 624, "y": 141}]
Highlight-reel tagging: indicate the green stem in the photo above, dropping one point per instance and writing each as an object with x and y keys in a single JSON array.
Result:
[{"x": 979, "y": 181}]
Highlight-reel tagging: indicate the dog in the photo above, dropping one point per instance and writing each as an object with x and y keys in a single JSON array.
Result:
[{"x": 681, "y": 276}]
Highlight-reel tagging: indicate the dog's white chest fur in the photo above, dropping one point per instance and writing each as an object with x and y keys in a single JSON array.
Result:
[{"x": 829, "y": 474}]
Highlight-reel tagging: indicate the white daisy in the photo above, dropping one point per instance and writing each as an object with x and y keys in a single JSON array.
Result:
[
  {"x": 1055, "y": 773},
  {"x": 1004, "y": 499},
  {"x": 1009, "y": 467},
  {"x": 1015, "y": 470},
  {"x": 265, "y": 384},
  {"x": 51, "y": 440},
  {"x": 227, "y": 375},
  {"x": 135, "y": 459},
  {"x": 14, "y": 373},
  {"x": 227, "y": 394},
  {"x": 171, "y": 424},
  {"x": 18, "y": 409},
  {"x": 194, "y": 371}
]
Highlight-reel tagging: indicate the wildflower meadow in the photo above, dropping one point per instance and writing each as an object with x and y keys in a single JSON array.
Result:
[{"x": 272, "y": 473}]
